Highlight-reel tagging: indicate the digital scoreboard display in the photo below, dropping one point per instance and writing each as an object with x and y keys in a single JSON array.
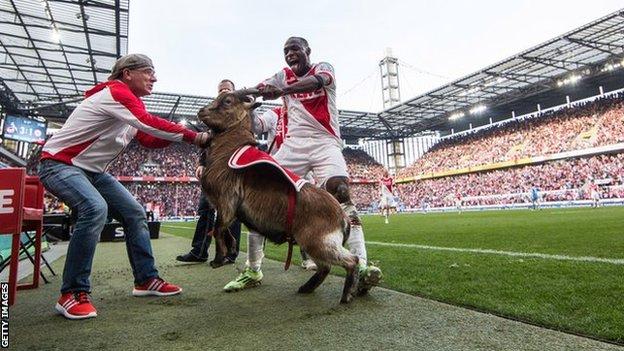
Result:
[{"x": 24, "y": 129}]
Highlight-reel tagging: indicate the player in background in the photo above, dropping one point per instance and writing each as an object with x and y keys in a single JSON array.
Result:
[
  {"x": 458, "y": 202},
  {"x": 594, "y": 194},
  {"x": 386, "y": 185},
  {"x": 535, "y": 197}
]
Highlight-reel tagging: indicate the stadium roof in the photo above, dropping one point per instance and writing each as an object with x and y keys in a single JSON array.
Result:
[
  {"x": 585, "y": 51},
  {"x": 51, "y": 51}
]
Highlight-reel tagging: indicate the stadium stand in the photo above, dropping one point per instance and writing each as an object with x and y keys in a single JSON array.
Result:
[
  {"x": 591, "y": 124},
  {"x": 361, "y": 165},
  {"x": 562, "y": 180}
]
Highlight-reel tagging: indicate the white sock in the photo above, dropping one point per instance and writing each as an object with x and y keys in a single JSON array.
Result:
[
  {"x": 255, "y": 250},
  {"x": 356, "y": 236},
  {"x": 356, "y": 243}
]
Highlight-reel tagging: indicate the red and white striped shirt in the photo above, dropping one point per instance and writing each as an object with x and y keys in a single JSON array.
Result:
[
  {"x": 104, "y": 123},
  {"x": 386, "y": 184},
  {"x": 310, "y": 114}
]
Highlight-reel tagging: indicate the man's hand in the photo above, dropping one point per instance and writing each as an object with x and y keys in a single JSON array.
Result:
[
  {"x": 202, "y": 139},
  {"x": 199, "y": 171},
  {"x": 270, "y": 92}
]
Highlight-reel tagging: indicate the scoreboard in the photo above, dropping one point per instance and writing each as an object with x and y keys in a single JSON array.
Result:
[{"x": 24, "y": 129}]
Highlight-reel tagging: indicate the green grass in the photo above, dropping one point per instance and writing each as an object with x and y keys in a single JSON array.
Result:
[{"x": 581, "y": 297}]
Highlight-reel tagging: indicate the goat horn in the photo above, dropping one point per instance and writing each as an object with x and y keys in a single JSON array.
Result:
[{"x": 245, "y": 92}]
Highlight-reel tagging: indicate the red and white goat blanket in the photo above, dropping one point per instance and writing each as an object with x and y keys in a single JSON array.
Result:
[{"x": 249, "y": 155}]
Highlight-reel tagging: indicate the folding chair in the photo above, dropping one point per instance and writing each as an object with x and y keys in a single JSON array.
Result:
[{"x": 21, "y": 210}]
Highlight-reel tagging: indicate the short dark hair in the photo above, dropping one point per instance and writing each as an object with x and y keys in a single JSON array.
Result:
[
  {"x": 229, "y": 81},
  {"x": 302, "y": 40}
]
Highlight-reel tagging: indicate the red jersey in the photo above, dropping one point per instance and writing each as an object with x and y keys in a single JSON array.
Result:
[{"x": 388, "y": 183}]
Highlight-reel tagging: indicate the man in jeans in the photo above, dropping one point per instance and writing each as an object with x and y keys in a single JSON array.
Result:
[{"x": 73, "y": 168}]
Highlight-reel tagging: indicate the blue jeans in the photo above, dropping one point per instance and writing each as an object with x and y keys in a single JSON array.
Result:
[{"x": 91, "y": 195}]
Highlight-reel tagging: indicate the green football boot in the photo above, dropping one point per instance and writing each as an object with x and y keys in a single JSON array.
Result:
[
  {"x": 369, "y": 277},
  {"x": 247, "y": 279}
]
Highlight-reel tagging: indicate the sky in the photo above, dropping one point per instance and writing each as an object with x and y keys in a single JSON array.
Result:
[{"x": 195, "y": 44}]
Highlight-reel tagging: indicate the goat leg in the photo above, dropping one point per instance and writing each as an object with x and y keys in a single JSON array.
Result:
[
  {"x": 317, "y": 279},
  {"x": 350, "y": 284},
  {"x": 220, "y": 249},
  {"x": 231, "y": 244}
]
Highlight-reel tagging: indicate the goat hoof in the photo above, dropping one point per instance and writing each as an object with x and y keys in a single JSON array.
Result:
[
  {"x": 347, "y": 298},
  {"x": 305, "y": 290}
]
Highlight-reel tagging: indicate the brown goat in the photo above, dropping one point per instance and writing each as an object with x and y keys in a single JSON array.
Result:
[{"x": 258, "y": 197}]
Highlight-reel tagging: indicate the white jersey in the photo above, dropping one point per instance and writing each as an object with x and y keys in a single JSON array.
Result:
[
  {"x": 271, "y": 122},
  {"x": 310, "y": 114}
]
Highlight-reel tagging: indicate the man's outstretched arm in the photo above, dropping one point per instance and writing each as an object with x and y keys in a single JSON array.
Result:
[{"x": 305, "y": 85}]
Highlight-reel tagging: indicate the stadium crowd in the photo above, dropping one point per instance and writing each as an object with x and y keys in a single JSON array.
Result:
[
  {"x": 361, "y": 165},
  {"x": 179, "y": 160},
  {"x": 596, "y": 123},
  {"x": 569, "y": 178}
]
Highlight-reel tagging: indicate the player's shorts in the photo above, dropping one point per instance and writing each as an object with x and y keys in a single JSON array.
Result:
[
  {"x": 322, "y": 156},
  {"x": 386, "y": 201},
  {"x": 458, "y": 203},
  {"x": 595, "y": 195}
]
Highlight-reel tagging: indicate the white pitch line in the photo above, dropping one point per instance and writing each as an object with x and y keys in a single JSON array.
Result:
[
  {"x": 617, "y": 261},
  {"x": 177, "y": 226}
]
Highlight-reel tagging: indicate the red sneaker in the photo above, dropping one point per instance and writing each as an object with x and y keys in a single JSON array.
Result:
[
  {"x": 156, "y": 287},
  {"x": 76, "y": 305}
]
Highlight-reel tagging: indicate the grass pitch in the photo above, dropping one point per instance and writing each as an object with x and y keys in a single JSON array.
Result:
[{"x": 555, "y": 289}]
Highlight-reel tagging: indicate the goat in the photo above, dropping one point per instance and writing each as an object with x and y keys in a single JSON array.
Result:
[{"x": 258, "y": 196}]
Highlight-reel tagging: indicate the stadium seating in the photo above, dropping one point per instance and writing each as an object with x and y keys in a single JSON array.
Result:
[
  {"x": 361, "y": 165},
  {"x": 592, "y": 124},
  {"x": 480, "y": 188}
]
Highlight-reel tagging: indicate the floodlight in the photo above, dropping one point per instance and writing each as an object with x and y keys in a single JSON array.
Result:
[
  {"x": 456, "y": 115},
  {"x": 478, "y": 109}
]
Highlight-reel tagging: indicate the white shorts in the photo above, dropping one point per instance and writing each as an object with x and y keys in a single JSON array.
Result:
[
  {"x": 322, "y": 156},
  {"x": 386, "y": 201},
  {"x": 595, "y": 195}
]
